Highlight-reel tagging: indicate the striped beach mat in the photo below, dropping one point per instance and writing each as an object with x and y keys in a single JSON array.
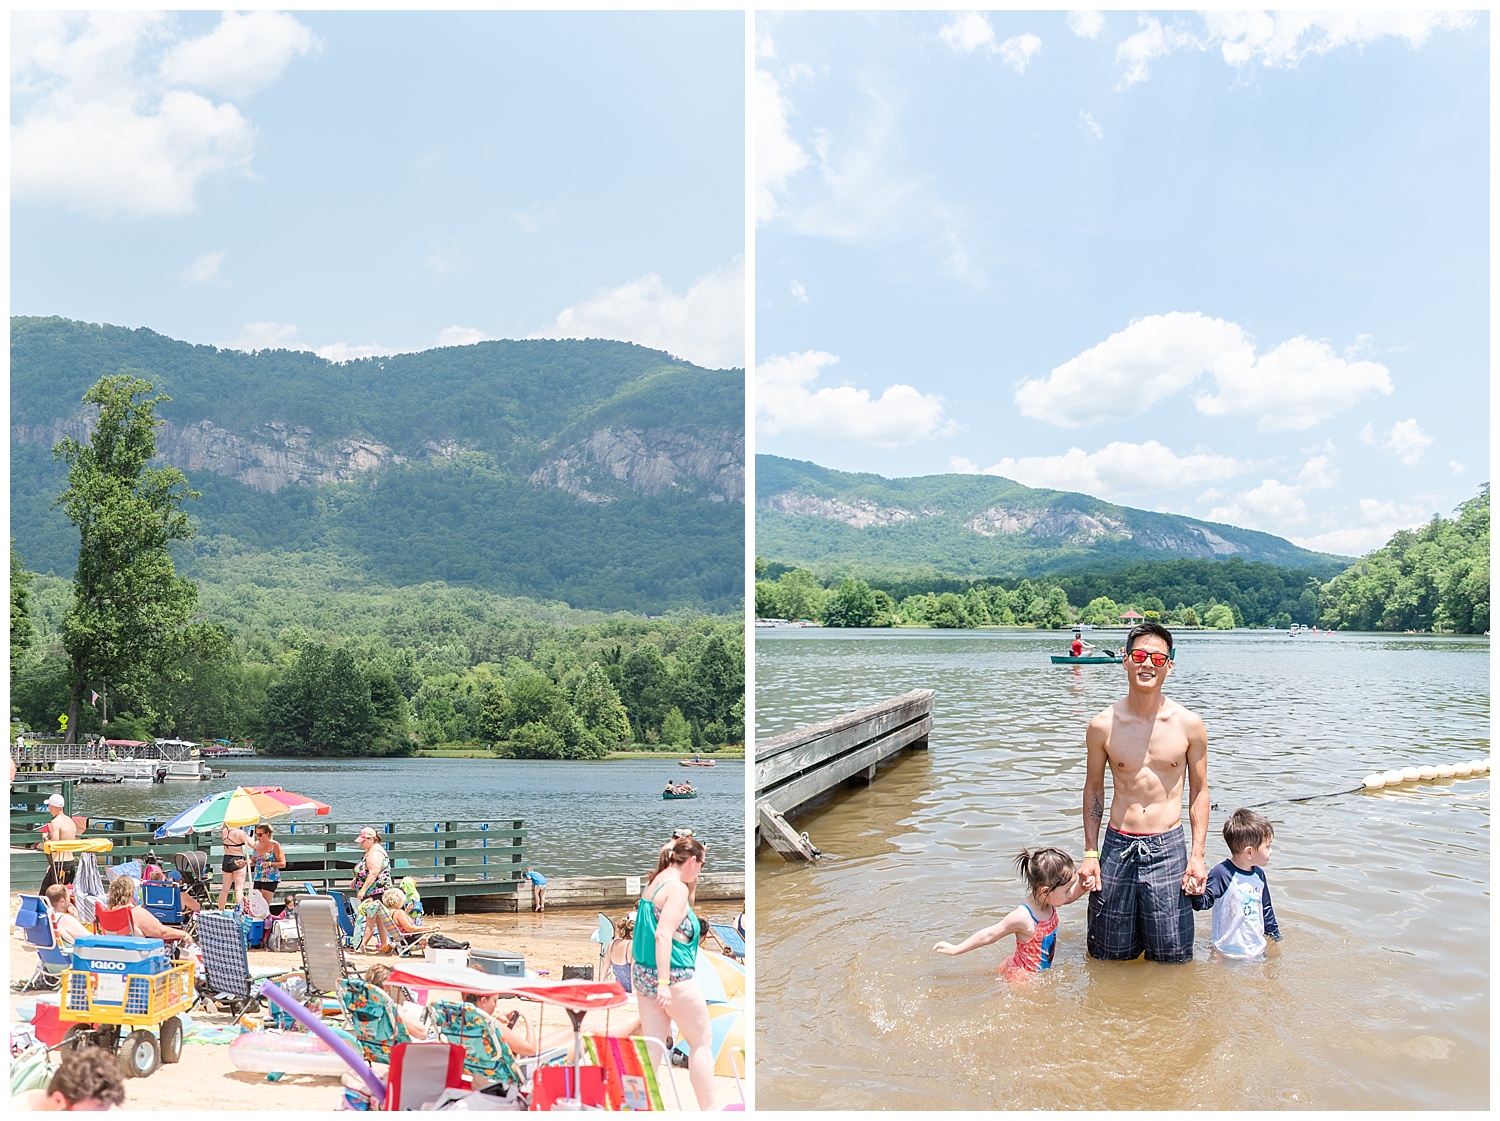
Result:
[{"x": 629, "y": 1079}]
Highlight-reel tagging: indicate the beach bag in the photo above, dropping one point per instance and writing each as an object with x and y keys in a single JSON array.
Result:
[
  {"x": 443, "y": 942},
  {"x": 256, "y": 906},
  {"x": 283, "y": 937}
]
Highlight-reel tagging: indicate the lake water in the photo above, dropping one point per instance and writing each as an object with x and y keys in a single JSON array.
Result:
[
  {"x": 1378, "y": 997},
  {"x": 583, "y": 818}
]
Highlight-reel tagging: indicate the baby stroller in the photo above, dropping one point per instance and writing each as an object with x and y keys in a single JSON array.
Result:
[{"x": 192, "y": 866}]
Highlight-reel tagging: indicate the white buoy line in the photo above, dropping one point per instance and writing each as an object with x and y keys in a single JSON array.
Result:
[{"x": 1470, "y": 769}]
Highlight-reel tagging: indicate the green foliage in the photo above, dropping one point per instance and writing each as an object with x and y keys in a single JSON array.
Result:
[
  {"x": 675, "y": 729},
  {"x": 853, "y": 605},
  {"x": 132, "y": 614},
  {"x": 22, "y": 633},
  {"x": 1433, "y": 578},
  {"x": 598, "y": 704},
  {"x": 1219, "y": 617}
]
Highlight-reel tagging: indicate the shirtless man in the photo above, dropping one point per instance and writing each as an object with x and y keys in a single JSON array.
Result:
[
  {"x": 1141, "y": 876},
  {"x": 62, "y": 865}
]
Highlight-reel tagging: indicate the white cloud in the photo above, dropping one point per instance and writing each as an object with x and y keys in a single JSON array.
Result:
[
  {"x": 265, "y": 335},
  {"x": 109, "y": 109},
  {"x": 1407, "y": 442},
  {"x": 967, "y": 33},
  {"x": 765, "y": 45},
  {"x": 1120, "y": 470},
  {"x": 1455, "y": 467},
  {"x": 971, "y": 31},
  {"x": 445, "y": 257},
  {"x": 537, "y": 217},
  {"x": 1136, "y": 53},
  {"x": 1272, "y": 507},
  {"x": 244, "y": 54},
  {"x": 1293, "y": 386},
  {"x": 1018, "y": 51},
  {"x": 705, "y": 325},
  {"x": 799, "y": 293},
  {"x": 786, "y": 402},
  {"x": 460, "y": 336},
  {"x": 204, "y": 270},
  {"x": 1318, "y": 473},
  {"x": 1367, "y": 434},
  {"x": 348, "y": 352},
  {"x": 962, "y": 466},
  {"x": 1090, "y": 126},
  {"x": 1280, "y": 40},
  {"x": 1086, "y": 25},
  {"x": 1283, "y": 39},
  {"x": 777, "y": 156},
  {"x": 1373, "y": 526}
]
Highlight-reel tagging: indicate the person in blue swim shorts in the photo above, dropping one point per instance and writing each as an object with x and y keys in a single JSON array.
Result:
[{"x": 1142, "y": 872}]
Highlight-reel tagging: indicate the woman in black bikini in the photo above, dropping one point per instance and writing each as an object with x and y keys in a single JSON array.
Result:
[{"x": 234, "y": 863}]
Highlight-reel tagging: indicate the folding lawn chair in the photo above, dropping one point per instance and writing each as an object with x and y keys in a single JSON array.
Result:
[
  {"x": 114, "y": 920},
  {"x": 226, "y": 978},
  {"x": 630, "y": 1080},
  {"x": 730, "y": 938},
  {"x": 486, "y": 1055},
  {"x": 36, "y": 920},
  {"x": 374, "y": 1019},
  {"x": 344, "y": 909},
  {"x": 412, "y": 944},
  {"x": 421, "y": 1072},
  {"x": 604, "y": 934},
  {"x": 321, "y": 943}
]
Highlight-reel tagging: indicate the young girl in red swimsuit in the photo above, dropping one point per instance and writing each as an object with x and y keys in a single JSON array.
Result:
[{"x": 1050, "y": 875}]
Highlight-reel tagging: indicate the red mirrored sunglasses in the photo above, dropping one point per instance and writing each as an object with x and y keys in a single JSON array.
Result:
[{"x": 1157, "y": 657}]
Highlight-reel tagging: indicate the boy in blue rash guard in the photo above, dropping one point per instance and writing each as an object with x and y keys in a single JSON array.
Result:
[{"x": 1237, "y": 889}]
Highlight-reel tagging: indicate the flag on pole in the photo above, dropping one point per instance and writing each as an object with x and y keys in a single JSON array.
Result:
[{"x": 95, "y": 696}]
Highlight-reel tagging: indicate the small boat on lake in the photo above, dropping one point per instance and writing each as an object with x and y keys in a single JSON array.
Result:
[
  {"x": 695, "y": 762},
  {"x": 668, "y": 795},
  {"x": 1084, "y": 660}
]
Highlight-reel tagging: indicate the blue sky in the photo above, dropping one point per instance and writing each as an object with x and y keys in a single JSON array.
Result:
[
  {"x": 358, "y": 183},
  {"x": 1231, "y": 266}
]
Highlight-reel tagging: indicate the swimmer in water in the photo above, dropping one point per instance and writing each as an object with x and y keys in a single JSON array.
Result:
[{"x": 1053, "y": 882}]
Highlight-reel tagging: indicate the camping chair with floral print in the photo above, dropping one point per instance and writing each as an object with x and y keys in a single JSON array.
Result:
[
  {"x": 374, "y": 1019},
  {"x": 486, "y": 1054}
]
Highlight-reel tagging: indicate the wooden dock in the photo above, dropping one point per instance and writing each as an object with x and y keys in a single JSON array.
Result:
[{"x": 801, "y": 766}]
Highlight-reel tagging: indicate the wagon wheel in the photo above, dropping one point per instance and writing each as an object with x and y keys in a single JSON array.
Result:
[
  {"x": 171, "y": 1039},
  {"x": 76, "y": 1037},
  {"x": 141, "y": 1055}
]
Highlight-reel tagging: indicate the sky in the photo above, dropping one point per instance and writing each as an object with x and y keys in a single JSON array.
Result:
[
  {"x": 370, "y": 183},
  {"x": 1233, "y": 266}
]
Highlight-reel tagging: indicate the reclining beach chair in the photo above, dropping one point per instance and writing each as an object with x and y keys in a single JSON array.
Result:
[
  {"x": 374, "y": 1019},
  {"x": 486, "y": 1056},
  {"x": 343, "y": 908},
  {"x": 36, "y": 921},
  {"x": 729, "y": 938},
  {"x": 321, "y": 944},
  {"x": 604, "y": 934},
  {"x": 630, "y": 1080},
  {"x": 226, "y": 979}
]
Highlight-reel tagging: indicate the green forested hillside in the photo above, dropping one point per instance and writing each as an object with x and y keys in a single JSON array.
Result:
[
  {"x": 977, "y": 525},
  {"x": 1433, "y": 578},
  {"x": 450, "y": 487}
]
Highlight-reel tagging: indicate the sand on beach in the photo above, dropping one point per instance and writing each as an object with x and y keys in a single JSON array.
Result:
[{"x": 205, "y": 1080}]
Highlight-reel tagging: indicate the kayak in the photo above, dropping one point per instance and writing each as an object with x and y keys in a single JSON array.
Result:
[
  {"x": 667, "y": 796},
  {"x": 1085, "y": 660}
]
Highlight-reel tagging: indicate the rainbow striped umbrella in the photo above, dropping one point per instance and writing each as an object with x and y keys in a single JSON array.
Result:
[{"x": 244, "y": 805}]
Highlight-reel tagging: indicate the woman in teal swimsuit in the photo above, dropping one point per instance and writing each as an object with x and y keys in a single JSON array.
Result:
[{"x": 665, "y": 948}]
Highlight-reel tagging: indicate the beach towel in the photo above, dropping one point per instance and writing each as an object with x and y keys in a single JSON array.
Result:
[{"x": 629, "y": 1078}]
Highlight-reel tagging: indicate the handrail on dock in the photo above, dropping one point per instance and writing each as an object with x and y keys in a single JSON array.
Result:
[{"x": 800, "y": 766}]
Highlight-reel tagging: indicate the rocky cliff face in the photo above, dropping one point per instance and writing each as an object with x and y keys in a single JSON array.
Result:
[
  {"x": 279, "y": 455},
  {"x": 860, "y": 513},
  {"x": 649, "y": 461}
]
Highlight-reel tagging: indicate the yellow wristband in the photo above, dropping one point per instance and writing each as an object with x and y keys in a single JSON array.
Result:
[{"x": 1092, "y": 854}]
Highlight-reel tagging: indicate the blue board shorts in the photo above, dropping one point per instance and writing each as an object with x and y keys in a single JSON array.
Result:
[{"x": 1140, "y": 906}]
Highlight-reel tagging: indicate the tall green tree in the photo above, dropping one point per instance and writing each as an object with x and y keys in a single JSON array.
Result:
[
  {"x": 598, "y": 706},
  {"x": 132, "y": 614},
  {"x": 22, "y": 633},
  {"x": 853, "y": 605}
]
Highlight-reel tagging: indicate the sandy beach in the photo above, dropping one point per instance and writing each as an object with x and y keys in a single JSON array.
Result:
[{"x": 205, "y": 1080}]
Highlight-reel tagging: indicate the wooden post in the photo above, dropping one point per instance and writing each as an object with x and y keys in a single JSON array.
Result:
[{"x": 780, "y": 835}]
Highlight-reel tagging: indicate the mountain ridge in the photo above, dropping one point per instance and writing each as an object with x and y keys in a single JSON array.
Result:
[{"x": 979, "y": 525}]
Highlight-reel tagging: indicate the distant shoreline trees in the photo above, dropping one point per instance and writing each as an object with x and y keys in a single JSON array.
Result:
[{"x": 1433, "y": 578}]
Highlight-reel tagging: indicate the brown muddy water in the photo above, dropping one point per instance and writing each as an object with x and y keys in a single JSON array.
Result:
[{"x": 1378, "y": 997}]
